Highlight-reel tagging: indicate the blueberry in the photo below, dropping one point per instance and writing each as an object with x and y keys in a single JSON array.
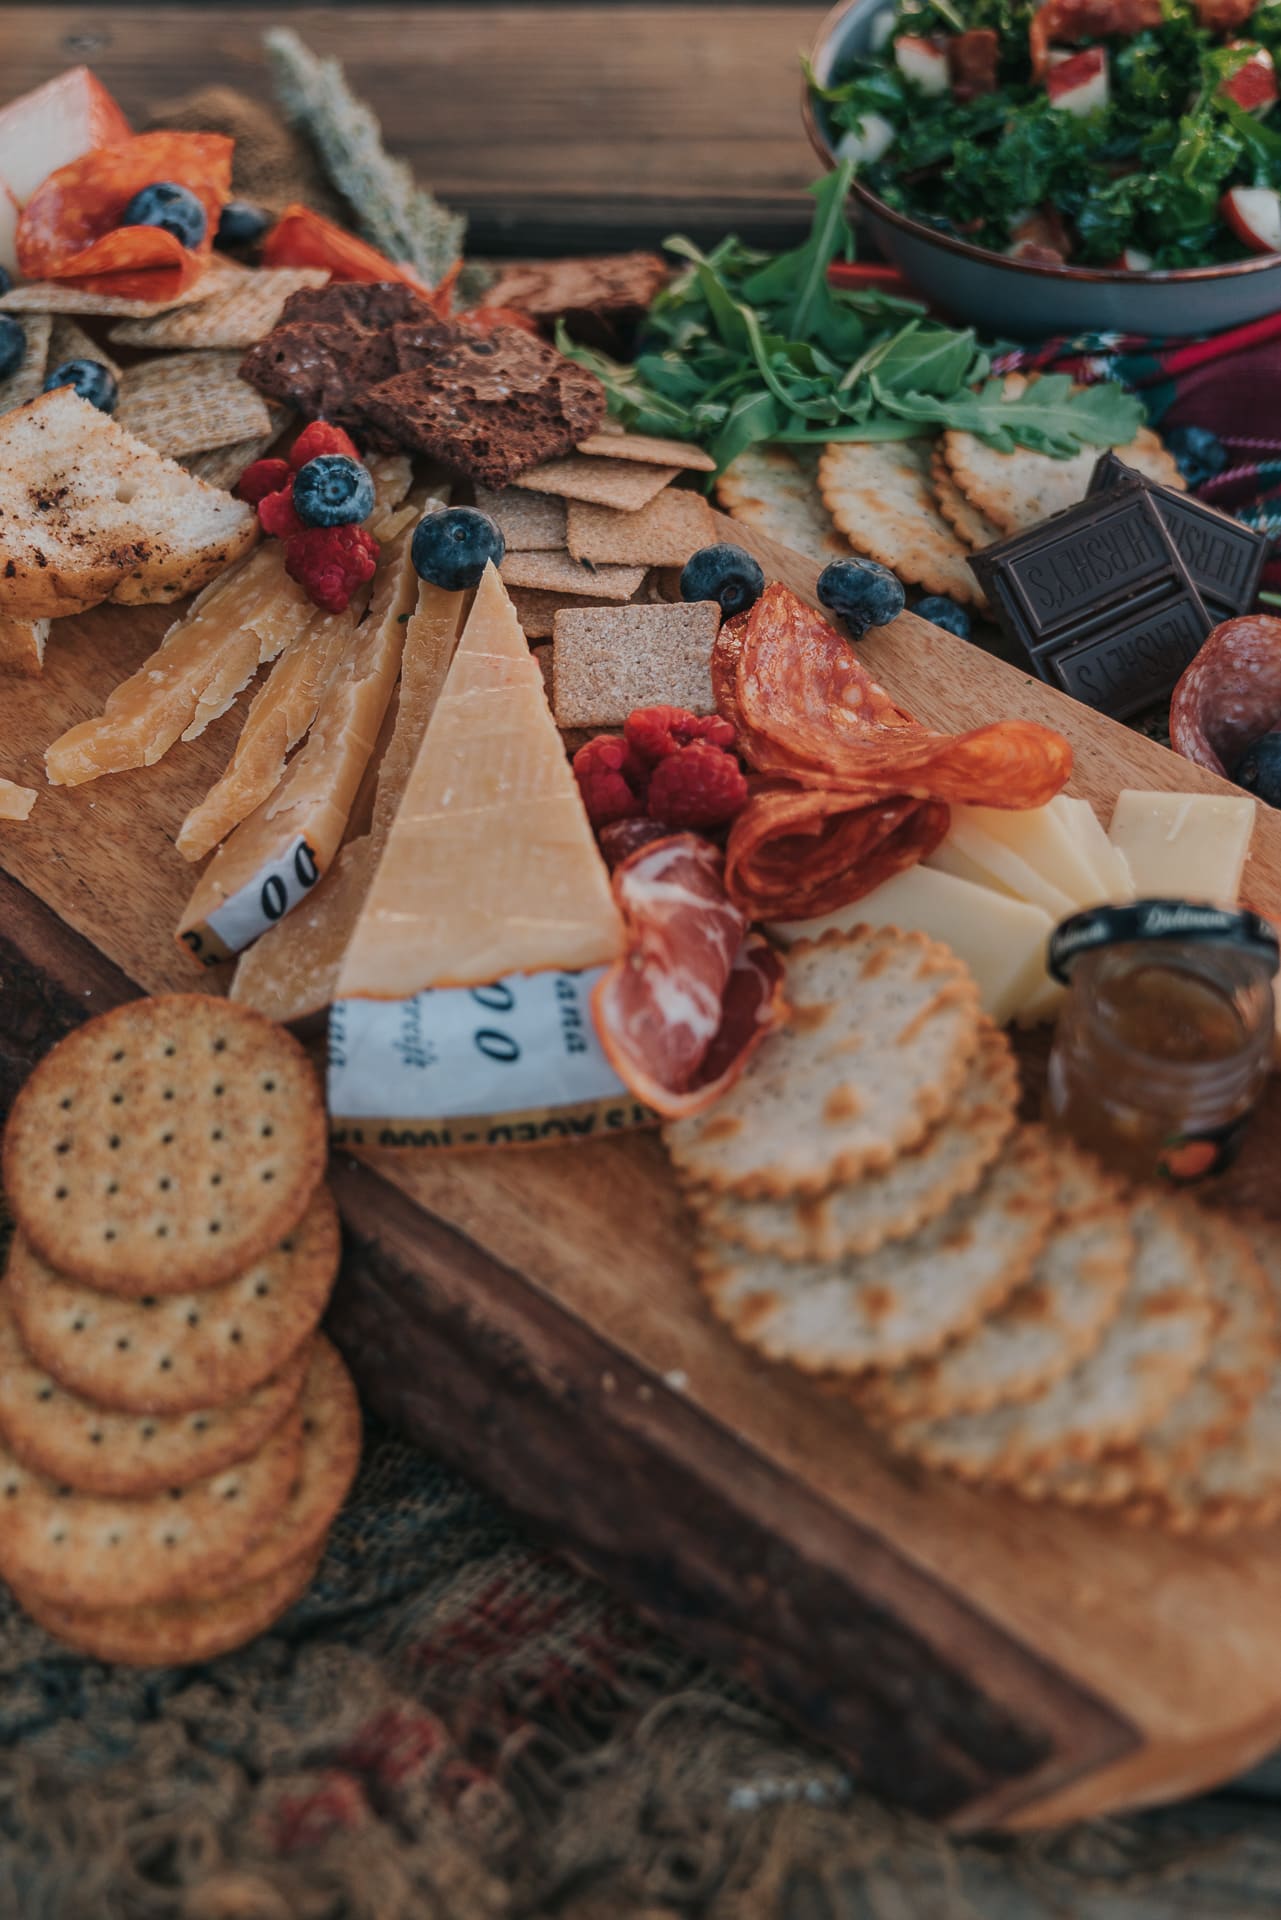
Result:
[
  {"x": 90, "y": 379},
  {"x": 241, "y": 225},
  {"x": 725, "y": 574},
  {"x": 453, "y": 546},
  {"x": 13, "y": 345},
  {"x": 861, "y": 594},
  {"x": 333, "y": 490},
  {"x": 1200, "y": 454},
  {"x": 945, "y": 613},
  {"x": 1259, "y": 769},
  {"x": 174, "y": 209}
]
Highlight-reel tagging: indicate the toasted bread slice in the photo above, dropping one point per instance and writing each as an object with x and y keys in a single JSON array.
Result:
[{"x": 88, "y": 513}]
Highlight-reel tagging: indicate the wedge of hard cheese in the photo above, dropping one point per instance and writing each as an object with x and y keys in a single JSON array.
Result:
[
  {"x": 462, "y": 1015},
  {"x": 22, "y": 645},
  {"x": 16, "y": 802}
]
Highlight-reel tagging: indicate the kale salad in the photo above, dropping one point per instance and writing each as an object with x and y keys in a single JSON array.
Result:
[{"x": 1117, "y": 133}]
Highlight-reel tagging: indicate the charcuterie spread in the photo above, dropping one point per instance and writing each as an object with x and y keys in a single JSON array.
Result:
[{"x": 552, "y": 806}]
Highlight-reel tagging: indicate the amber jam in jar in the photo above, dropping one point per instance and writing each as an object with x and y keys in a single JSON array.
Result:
[{"x": 1165, "y": 1040}]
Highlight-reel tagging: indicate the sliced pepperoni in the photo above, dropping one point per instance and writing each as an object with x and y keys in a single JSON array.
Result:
[
  {"x": 1230, "y": 694},
  {"x": 690, "y": 999},
  {"x": 302, "y": 238},
  {"x": 795, "y": 853}
]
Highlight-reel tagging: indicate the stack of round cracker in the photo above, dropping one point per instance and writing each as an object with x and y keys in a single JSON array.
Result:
[
  {"x": 175, "y": 1435},
  {"x": 995, "y": 1304}
]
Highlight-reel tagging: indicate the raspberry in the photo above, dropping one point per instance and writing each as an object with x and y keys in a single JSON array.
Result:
[
  {"x": 697, "y": 786},
  {"x": 320, "y": 437},
  {"x": 260, "y": 479},
  {"x": 331, "y": 562},
  {"x": 657, "y": 731},
  {"x": 609, "y": 779},
  {"x": 277, "y": 514}
]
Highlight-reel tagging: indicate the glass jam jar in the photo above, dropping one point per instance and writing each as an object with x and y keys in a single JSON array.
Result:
[{"x": 1165, "y": 1040}]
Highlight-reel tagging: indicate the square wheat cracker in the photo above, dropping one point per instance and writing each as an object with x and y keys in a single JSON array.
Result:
[
  {"x": 607, "y": 483},
  {"x": 528, "y": 522},
  {"x": 606, "y": 662},
  {"x": 69, "y": 341},
  {"x": 239, "y": 316},
  {"x": 537, "y": 611},
  {"x": 645, "y": 448},
  {"x": 57, "y": 296},
  {"x": 556, "y": 573},
  {"x": 675, "y": 524},
  {"x": 188, "y": 403}
]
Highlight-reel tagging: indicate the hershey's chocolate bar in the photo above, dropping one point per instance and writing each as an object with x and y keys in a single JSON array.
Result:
[
  {"x": 1224, "y": 558},
  {"x": 1100, "y": 600}
]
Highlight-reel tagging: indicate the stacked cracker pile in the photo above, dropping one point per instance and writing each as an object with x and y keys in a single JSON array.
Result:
[
  {"x": 919, "y": 507},
  {"x": 993, "y": 1302},
  {"x": 175, "y": 1437}
]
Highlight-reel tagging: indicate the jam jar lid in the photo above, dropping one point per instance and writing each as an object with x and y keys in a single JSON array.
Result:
[{"x": 1184, "y": 922}]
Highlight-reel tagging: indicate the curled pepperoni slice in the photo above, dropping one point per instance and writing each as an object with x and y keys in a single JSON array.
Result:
[
  {"x": 795, "y": 852},
  {"x": 679, "y": 1015},
  {"x": 70, "y": 228},
  {"x": 1230, "y": 694},
  {"x": 302, "y": 238}
]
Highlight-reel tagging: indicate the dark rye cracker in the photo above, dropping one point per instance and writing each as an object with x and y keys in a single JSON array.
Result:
[
  {"x": 165, "y": 1145},
  {"x": 332, "y": 343},
  {"x": 175, "y": 1353}
]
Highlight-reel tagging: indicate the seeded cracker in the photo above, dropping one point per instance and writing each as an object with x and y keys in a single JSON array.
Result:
[
  {"x": 903, "y": 1301},
  {"x": 882, "y": 1030},
  {"x": 649, "y": 451},
  {"x": 878, "y": 493},
  {"x": 167, "y": 1144},
  {"x": 612, "y": 659},
  {"x": 239, "y": 316},
  {"x": 1145, "y": 1360},
  {"x": 187, "y": 403},
  {"x": 557, "y": 573},
  {"x": 25, "y": 382},
  {"x": 528, "y": 522},
  {"x": 862, "y": 1215},
  {"x": 776, "y": 491},
  {"x": 1045, "y": 1328},
  {"x": 607, "y": 483},
  {"x": 85, "y": 1550},
  {"x": 676, "y": 523}
]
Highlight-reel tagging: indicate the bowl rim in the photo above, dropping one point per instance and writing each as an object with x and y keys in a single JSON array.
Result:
[{"x": 987, "y": 256}]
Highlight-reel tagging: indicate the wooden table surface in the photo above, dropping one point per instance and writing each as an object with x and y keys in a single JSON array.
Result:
[{"x": 553, "y": 128}]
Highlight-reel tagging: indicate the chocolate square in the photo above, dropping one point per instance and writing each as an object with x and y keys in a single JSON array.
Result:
[{"x": 1224, "y": 557}]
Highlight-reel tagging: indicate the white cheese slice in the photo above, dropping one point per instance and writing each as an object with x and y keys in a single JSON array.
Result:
[
  {"x": 1047, "y": 839},
  {"x": 1184, "y": 846},
  {"x": 1106, "y": 862},
  {"x": 972, "y": 853},
  {"x": 1002, "y": 941}
]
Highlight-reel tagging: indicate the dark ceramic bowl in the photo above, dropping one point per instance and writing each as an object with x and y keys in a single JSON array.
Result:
[{"x": 1021, "y": 299}]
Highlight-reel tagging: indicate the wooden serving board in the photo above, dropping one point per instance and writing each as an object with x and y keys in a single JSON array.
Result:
[{"x": 532, "y": 1318}]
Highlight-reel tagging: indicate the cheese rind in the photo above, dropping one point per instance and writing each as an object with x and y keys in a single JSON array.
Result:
[{"x": 1184, "y": 846}]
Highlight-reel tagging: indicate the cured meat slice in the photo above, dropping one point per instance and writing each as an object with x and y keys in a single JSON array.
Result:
[
  {"x": 303, "y": 238},
  {"x": 795, "y": 853},
  {"x": 972, "y": 62},
  {"x": 1223, "y": 16},
  {"x": 70, "y": 228},
  {"x": 1230, "y": 694},
  {"x": 681, "y": 1012},
  {"x": 1070, "y": 21}
]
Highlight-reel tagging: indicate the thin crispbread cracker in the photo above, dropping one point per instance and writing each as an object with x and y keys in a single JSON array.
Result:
[
  {"x": 59, "y": 296},
  {"x": 610, "y": 660},
  {"x": 1019, "y": 489},
  {"x": 675, "y": 524},
  {"x": 166, "y": 1145},
  {"x": 775, "y": 490},
  {"x": 862, "y": 1215},
  {"x": 648, "y": 450},
  {"x": 27, "y": 378},
  {"x": 190, "y": 402},
  {"x": 883, "y": 1027},
  {"x": 240, "y": 315},
  {"x": 1045, "y": 1327},
  {"x": 905, "y": 1300},
  {"x": 558, "y": 573},
  {"x": 1146, "y": 1358},
  {"x": 537, "y": 611},
  {"x": 528, "y": 522},
  {"x": 1235, "y": 1371},
  {"x": 546, "y": 666},
  {"x": 88, "y": 1550},
  {"x": 176, "y": 1353},
  {"x": 69, "y": 341},
  {"x": 181, "y": 1633},
  {"x": 609, "y": 483},
  {"x": 972, "y": 528},
  {"x": 81, "y": 1445},
  {"x": 223, "y": 466},
  {"x": 878, "y": 492}
]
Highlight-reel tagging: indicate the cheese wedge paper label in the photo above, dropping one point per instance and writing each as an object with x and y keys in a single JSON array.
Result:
[
  {"x": 267, "y": 898},
  {"x": 510, "y": 1064}
]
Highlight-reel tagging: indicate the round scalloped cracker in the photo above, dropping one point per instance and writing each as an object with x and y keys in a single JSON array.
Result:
[
  {"x": 775, "y": 491},
  {"x": 182, "y": 1633},
  {"x": 862, "y": 1215},
  {"x": 878, "y": 492},
  {"x": 166, "y": 1145},
  {"x": 1019, "y": 489},
  {"x": 85, "y": 1550},
  {"x": 1045, "y": 1327},
  {"x": 882, "y": 1029},
  {"x": 971, "y": 527},
  {"x": 57, "y": 1432},
  {"x": 1145, "y": 1359},
  {"x": 175, "y": 1353},
  {"x": 905, "y": 1300}
]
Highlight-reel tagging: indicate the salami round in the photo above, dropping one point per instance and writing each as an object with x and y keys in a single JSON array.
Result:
[
  {"x": 681, "y": 1012},
  {"x": 70, "y": 228},
  {"x": 1230, "y": 694}
]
